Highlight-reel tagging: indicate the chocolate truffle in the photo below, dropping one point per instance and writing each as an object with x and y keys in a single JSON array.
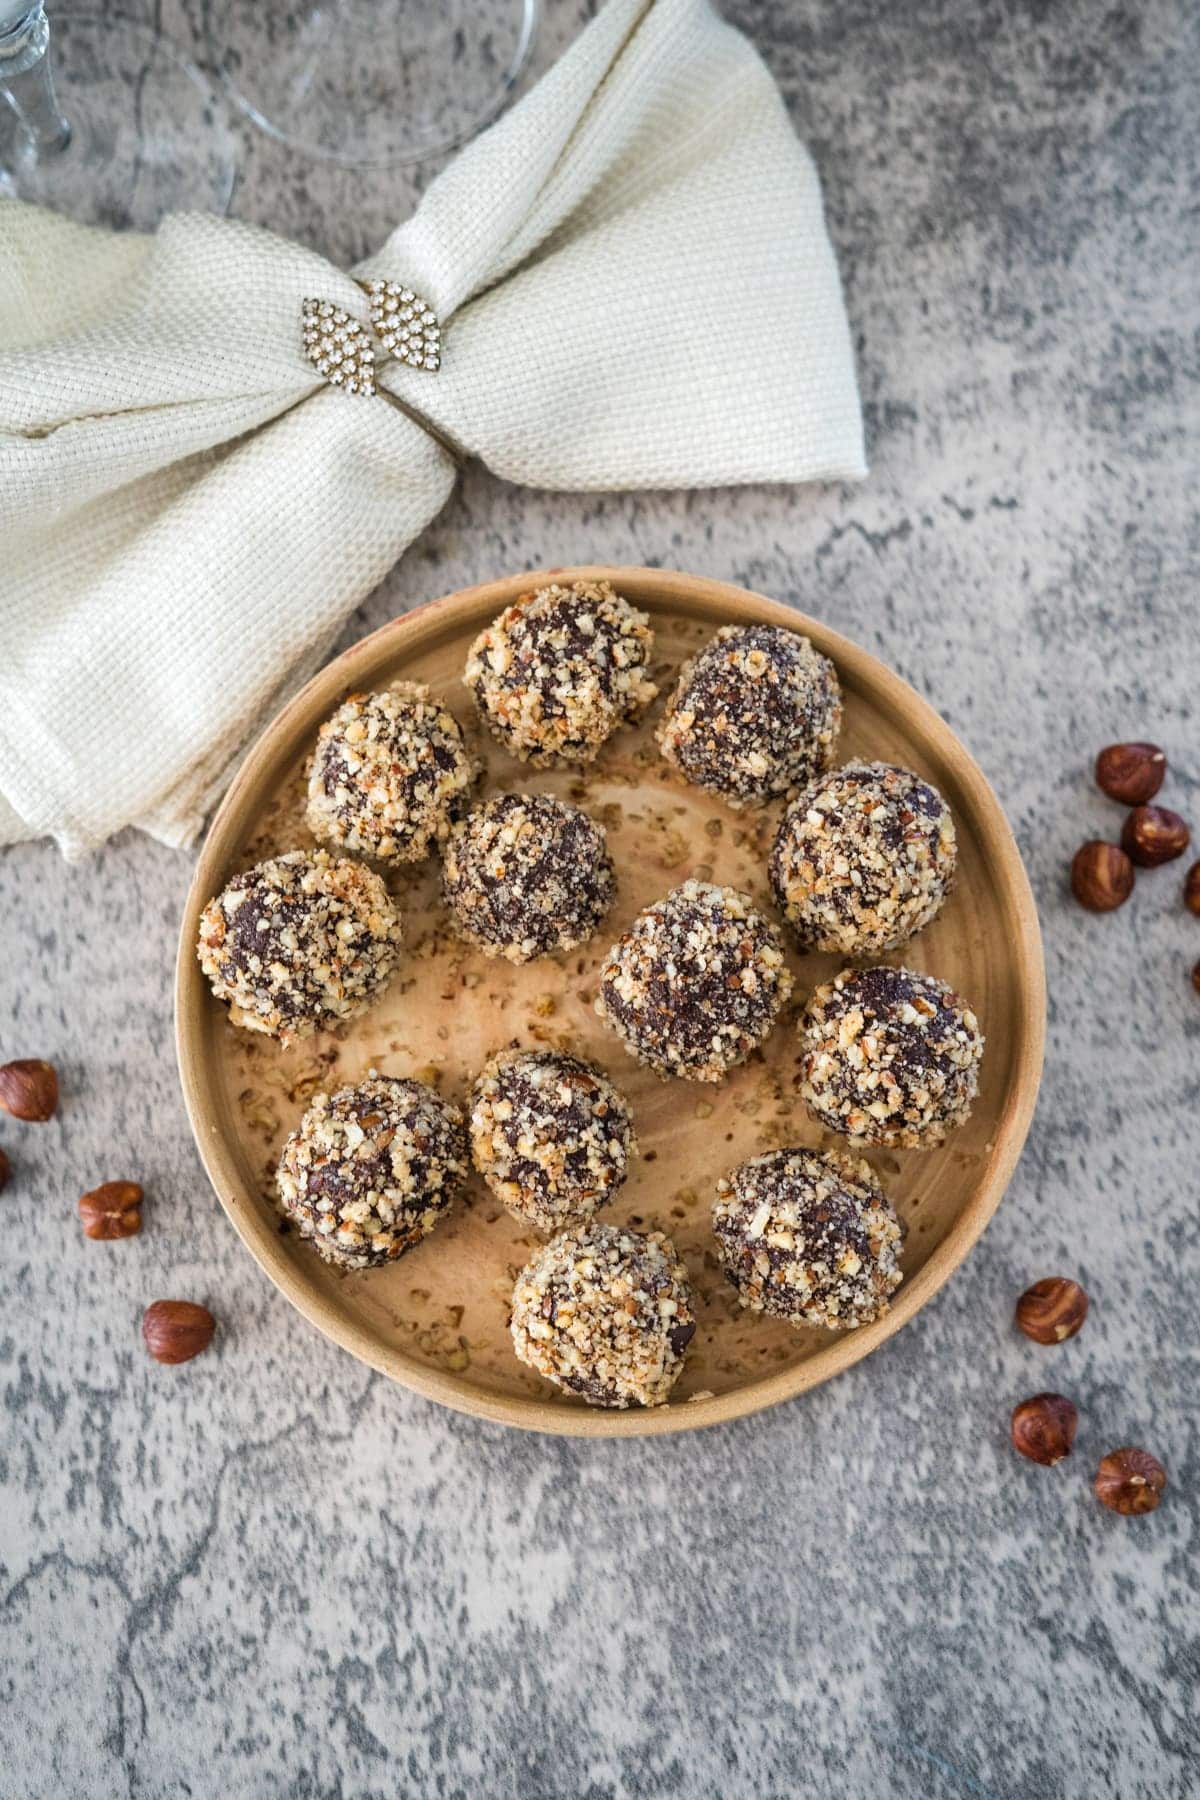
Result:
[
  {"x": 560, "y": 670},
  {"x": 605, "y": 1313},
  {"x": 526, "y": 875},
  {"x": 808, "y": 1237},
  {"x": 299, "y": 943},
  {"x": 889, "y": 1057},
  {"x": 696, "y": 982},
  {"x": 550, "y": 1135},
  {"x": 390, "y": 774},
  {"x": 863, "y": 858},
  {"x": 371, "y": 1169},
  {"x": 755, "y": 714}
]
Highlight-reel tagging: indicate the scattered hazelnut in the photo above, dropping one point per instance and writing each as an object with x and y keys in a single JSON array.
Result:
[
  {"x": 1196, "y": 976},
  {"x": 1101, "y": 876},
  {"x": 113, "y": 1210},
  {"x": 1130, "y": 1481},
  {"x": 1052, "y": 1310},
  {"x": 1132, "y": 773},
  {"x": 29, "y": 1089},
  {"x": 176, "y": 1330},
  {"x": 1191, "y": 888},
  {"x": 1154, "y": 835},
  {"x": 1043, "y": 1428},
  {"x": 5, "y": 1171}
]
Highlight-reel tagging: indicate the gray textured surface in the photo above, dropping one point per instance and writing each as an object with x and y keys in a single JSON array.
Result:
[{"x": 271, "y": 1573}]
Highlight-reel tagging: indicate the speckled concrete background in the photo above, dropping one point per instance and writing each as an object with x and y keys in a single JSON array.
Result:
[{"x": 271, "y": 1573}]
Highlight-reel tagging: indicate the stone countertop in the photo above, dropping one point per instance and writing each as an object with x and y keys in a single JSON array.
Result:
[{"x": 271, "y": 1572}]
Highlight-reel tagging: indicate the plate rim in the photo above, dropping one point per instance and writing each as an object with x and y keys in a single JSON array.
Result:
[{"x": 193, "y": 1005}]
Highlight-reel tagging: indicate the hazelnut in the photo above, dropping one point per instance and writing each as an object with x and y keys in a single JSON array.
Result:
[
  {"x": 176, "y": 1330},
  {"x": 1191, "y": 888},
  {"x": 113, "y": 1210},
  {"x": 1196, "y": 976},
  {"x": 1153, "y": 835},
  {"x": 1131, "y": 773},
  {"x": 1101, "y": 876},
  {"x": 5, "y": 1171},
  {"x": 29, "y": 1089},
  {"x": 1043, "y": 1428},
  {"x": 1052, "y": 1310},
  {"x": 1130, "y": 1481}
]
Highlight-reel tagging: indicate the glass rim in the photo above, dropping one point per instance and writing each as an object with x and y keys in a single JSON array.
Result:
[{"x": 531, "y": 13}]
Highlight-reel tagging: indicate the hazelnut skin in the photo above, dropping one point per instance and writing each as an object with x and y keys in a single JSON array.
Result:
[
  {"x": 1191, "y": 889},
  {"x": 29, "y": 1089},
  {"x": 1154, "y": 835},
  {"x": 1043, "y": 1428},
  {"x": 1130, "y": 1481},
  {"x": 1101, "y": 876},
  {"x": 1051, "y": 1311},
  {"x": 5, "y": 1171},
  {"x": 1131, "y": 773},
  {"x": 176, "y": 1330}
]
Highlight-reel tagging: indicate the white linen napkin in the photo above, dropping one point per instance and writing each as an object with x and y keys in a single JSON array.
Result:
[{"x": 636, "y": 290}]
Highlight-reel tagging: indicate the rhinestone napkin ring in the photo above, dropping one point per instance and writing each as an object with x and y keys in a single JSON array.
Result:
[{"x": 338, "y": 347}]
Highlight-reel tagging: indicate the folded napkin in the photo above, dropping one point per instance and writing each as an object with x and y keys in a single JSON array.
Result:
[{"x": 635, "y": 289}]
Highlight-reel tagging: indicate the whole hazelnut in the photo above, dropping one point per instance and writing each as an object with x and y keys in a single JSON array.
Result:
[
  {"x": 1154, "y": 835},
  {"x": 112, "y": 1210},
  {"x": 1131, "y": 773},
  {"x": 176, "y": 1330},
  {"x": 1101, "y": 876},
  {"x": 29, "y": 1089},
  {"x": 1191, "y": 888},
  {"x": 5, "y": 1171},
  {"x": 1130, "y": 1481},
  {"x": 1051, "y": 1311},
  {"x": 1043, "y": 1428}
]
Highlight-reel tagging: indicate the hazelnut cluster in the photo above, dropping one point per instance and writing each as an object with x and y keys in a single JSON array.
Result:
[
  {"x": 1103, "y": 874},
  {"x": 1128, "y": 1481},
  {"x": 173, "y": 1330}
]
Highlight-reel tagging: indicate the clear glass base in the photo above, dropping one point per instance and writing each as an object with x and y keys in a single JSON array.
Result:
[
  {"x": 371, "y": 83},
  {"x": 148, "y": 134}
]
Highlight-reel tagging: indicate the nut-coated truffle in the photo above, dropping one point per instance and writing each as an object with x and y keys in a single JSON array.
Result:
[
  {"x": 606, "y": 1314},
  {"x": 371, "y": 1170},
  {"x": 550, "y": 1135},
  {"x": 299, "y": 943},
  {"x": 390, "y": 774},
  {"x": 863, "y": 859},
  {"x": 560, "y": 669},
  {"x": 696, "y": 982},
  {"x": 809, "y": 1237},
  {"x": 889, "y": 1057},
  {"x": 526, "y": 875},
  {"x": 755, "y": 714}
]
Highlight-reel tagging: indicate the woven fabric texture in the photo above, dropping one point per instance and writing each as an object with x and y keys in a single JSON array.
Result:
[{"x": 636, "y": 289}]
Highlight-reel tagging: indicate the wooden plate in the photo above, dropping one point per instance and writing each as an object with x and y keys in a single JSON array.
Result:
[{"x": 437, "y": 1319}]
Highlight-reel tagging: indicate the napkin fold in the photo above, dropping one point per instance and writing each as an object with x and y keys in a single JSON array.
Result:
[{"x": 636, "y": 290}]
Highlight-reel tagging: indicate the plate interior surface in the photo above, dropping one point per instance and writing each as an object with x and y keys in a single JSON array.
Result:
[{"x": 436, "y": 1320}]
